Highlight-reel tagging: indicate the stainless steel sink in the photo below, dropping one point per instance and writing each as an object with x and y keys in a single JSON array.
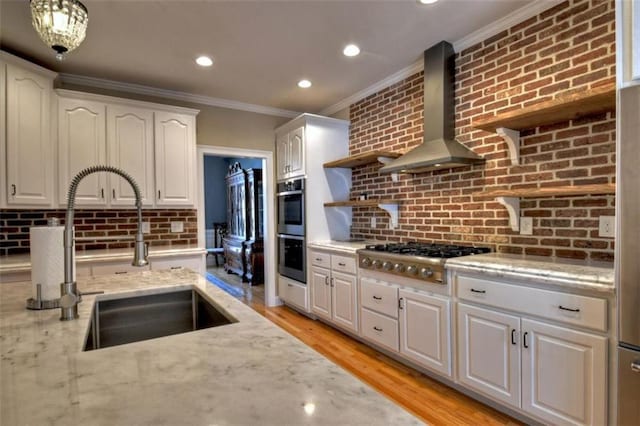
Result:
[{"x": 132, "y": 319}]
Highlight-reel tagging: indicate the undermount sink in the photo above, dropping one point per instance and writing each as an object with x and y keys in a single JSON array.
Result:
[{"x": 143, "y": 317}]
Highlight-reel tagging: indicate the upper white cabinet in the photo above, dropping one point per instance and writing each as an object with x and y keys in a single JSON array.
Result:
[
  {"x": 28, "y": 137},
  {"x": 290, "y": 153},
  {"x": 155, "y": 147},
  {"x": 82, "y": 143},
  {"x": 175, "y": 155}
]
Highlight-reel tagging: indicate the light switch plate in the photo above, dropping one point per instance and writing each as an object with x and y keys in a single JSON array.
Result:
[
  {"x": 146, "y": 227},
  {"x": 177, "y": 227},
  {"x": 607, "y": 226},
  {"x": 526, "y": 225},
  {"x": 373, "y": 221}
]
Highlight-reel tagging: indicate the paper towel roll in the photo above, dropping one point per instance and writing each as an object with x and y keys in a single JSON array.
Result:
[{"x": 47, "y": 260}]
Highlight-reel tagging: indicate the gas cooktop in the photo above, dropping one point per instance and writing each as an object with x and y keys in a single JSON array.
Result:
[{"x": 422, "y": 261}]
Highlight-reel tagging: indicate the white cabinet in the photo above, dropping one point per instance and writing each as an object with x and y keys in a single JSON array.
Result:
[
  {"x": 290, "y": 154},
  {"x": 424, "y": 329},
  {"x": 334, "y": 291},
  {"x": 195, "y": 263},
  {"x": 175, "y": 155},
  {"x": 82, "y": 143},
  {"x": 293, "y": 292},
  {"x": 130, "y": 148},
  {"x": 29, "y": 144},
  {"x": 553, "y": 373}
]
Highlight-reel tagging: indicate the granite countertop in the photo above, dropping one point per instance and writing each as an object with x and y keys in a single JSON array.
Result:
[
  {"x": 249, "y": 372},
  {"x": 22, "y": 262},
  {"x": 345, "y": 247},
  {"x": 560, "y": 272}
]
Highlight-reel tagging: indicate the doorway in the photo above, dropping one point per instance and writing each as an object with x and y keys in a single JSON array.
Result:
[{"x": 210, "y": 160}]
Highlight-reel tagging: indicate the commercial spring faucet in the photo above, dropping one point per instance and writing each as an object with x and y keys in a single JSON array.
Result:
[{"x": 69, "y": 295}]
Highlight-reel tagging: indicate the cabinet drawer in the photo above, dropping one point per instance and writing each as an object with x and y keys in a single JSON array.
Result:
[
  {"x": 294, "y": 293},
  {"x": 343, "y": 264},
  {"x": 380, "y": 329},
  {"x": 379, "y": 297},
  {"x": 584, "y": 311},
  {"x": 319, "y": 258},
  {"x": 195, "y": 264},
  {"x": 117, "y": 268}
]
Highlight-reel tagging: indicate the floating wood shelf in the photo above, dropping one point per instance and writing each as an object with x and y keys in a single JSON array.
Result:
[
  {"x": 510, "y": 198},
  {"x": 600, "y": 99},
  {"x": 361, "y": 159},
  {"x": 607, "y": 188},
  {"x": 388, "y": 205}
]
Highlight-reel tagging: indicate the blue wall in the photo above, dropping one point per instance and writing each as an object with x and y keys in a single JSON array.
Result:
[{"x": 215, "y": 189}]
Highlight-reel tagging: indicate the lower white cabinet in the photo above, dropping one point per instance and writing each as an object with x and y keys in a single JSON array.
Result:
[
  {"x": 293, "y": 293},
  {"x": 334, "y": 297},
  {"x": 553, "y": 373},
  {"x": 195, "y": 263}
]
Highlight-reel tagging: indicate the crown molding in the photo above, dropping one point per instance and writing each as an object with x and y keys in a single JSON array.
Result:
[
  {"x": 14, "y": 60},
  {"x": 507, "y": 21},
  {"x": 171, "y": 94}
]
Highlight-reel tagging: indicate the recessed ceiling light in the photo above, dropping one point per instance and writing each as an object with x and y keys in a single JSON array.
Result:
[
  {"x": 204, "y": 61},
  {"x": 427, "y": 1},
  {"x": 351, "y": 50},
  {"x": 305, "y": 84}
]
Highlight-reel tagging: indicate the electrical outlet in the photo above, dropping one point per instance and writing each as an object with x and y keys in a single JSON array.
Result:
[
  {"x": 373, "y": 221},
  {"x": 177, "y": 227},
  {"x": 526, "y": 225},
  {"x": 607, "y": 226},
  {"x": 146, "y": 227}
]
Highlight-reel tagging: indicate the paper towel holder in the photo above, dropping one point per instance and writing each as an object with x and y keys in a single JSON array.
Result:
[{"x": 38, "y": 304}]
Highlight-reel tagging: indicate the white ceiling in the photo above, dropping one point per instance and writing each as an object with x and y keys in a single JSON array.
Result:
[{"x": 261, "y": 48}]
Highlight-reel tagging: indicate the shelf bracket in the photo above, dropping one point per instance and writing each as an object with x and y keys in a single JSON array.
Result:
[
  {"x": 392, "y": 209},
  {"x": 385, "y": 161},
  {"x": 512, "y": 205},
  {"x": 512, "y": 138}
]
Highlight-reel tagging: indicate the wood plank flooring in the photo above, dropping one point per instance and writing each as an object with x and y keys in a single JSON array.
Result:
[{"x": 431, "y": 401}]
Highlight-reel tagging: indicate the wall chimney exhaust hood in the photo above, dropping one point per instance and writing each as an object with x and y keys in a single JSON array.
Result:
[{"x": 439, "y": 149}]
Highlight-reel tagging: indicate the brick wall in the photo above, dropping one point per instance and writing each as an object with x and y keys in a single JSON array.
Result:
[
  {"x": 14, "y": 227},
  {"x": 568, "y": 48}
]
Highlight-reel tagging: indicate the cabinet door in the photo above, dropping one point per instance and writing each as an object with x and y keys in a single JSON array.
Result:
[
  {"x": 344, "y": 300},
  {"x": 489, "y": 353},
  {"x": 282, "y": 156},
  {"x": 296, "y": 153},
  {"x": 174, "y": 157},
  {"x": 82, "y": 143},
  {"x": 28, "y": 138},
  {"x": 564, "y": 378},
  {"x": 424, "y": 330},
  {"x": 130, "y": 148},
  {"x": 321, "y": 292}
]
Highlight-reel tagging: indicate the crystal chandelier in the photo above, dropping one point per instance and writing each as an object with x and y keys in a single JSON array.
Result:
[{"x": 61, "y": 24}]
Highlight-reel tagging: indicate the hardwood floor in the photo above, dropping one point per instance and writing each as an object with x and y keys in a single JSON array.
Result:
[{"x": 431, "y": 401}]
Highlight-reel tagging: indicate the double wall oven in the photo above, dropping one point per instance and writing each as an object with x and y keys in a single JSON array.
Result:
[{"x": 291, "y": 230}]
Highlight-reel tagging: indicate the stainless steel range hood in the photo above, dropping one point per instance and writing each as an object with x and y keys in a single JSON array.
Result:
[{"x": 439, "y": 150}]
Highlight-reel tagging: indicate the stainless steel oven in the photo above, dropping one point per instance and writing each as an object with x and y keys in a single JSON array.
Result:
[
  {"x": 291, "y": 207},
  {"x": 291, "y": 257}
]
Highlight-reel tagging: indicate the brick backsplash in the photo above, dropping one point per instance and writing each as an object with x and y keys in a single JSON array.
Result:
[
  {"x": 14, "y": 227},
  {"x": 566, "y": 49}
]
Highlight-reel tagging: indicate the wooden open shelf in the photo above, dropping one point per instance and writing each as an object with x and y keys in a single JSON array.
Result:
[
  {"x": 360, "y": 159},
  {"x": 563, "y": 108},
  {"x": 361, "y": 203},
  {"x": 607, "y": 188}
]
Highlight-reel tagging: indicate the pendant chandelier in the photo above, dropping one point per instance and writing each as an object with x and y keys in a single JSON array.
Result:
[{"x": 61, "y": 24}]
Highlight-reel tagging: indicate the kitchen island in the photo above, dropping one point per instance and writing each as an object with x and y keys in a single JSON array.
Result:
[{"x": 248, "y": 372}]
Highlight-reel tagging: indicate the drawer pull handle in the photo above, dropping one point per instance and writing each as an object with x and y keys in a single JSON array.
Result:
[
  {"x": 318, "y": 259},
  {"x": 524, "y": 340},
  {"x": 400, "y": 306},
  {"x": 332, "y": 282},
  {"x": 377, "y": 298},
  {"x": 342, "y": 264},
  {"x": 473, "y": 290},
  {"x": 326, "y": 280},
  {"x": 635, "y": 366},
  {"x": 568, "y": 309},
  {"x": 13, "y": 189},
  {"x": 289, "y": 285},
  {"x": 120, "y": 272},
  {"x": 176, "y": 267},
  {"x": 513, "y": 336},
  {"x": 376, "y": 328}
]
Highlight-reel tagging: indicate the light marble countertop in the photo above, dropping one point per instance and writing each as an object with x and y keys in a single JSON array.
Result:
[
  {"x": 249, "y": 372},
  {"x": 565, "y": 273},
  {"x": 346, "y": 247},
  {"x": 22, "y": 262}
]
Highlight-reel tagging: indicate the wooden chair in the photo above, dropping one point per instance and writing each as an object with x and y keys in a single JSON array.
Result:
[{"x": 219, "y": 231}]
